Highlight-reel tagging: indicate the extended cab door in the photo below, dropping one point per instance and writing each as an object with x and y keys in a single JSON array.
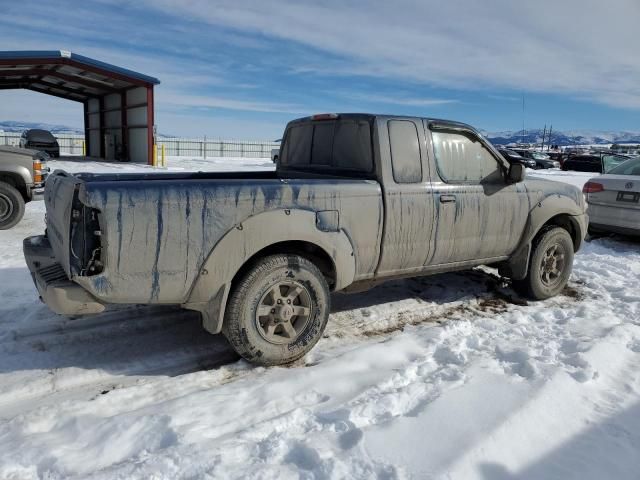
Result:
[
  {"x": 479, "y": 214},
  {"x": 409, "y": 205}
]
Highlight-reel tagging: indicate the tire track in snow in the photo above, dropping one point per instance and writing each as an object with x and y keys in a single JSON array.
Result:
[{"x": 82, "y": 358}]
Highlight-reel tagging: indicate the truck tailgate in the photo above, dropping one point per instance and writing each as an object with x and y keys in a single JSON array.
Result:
[{"x": 60, "y": 193}]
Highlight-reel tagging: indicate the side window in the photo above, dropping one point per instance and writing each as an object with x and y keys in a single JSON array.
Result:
[
  {"x": 405, "y": 151},
  {"x": 611, "y": 161},
  {"x": 462, "y": 158}
]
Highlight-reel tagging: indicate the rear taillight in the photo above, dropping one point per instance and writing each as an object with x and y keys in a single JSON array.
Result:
[{"x": 592, "y": 187}]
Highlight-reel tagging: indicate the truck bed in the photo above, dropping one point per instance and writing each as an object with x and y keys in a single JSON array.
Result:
[{"x": 156, "y": 230}]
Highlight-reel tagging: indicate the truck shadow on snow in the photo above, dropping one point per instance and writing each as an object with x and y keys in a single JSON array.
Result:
[
  {"x": 162, "y": 340},
  {"x": 605, "y": 449}
]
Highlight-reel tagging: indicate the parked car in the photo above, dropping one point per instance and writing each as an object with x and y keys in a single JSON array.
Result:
[
  {"x": 355, "y": 200},
  {"x": 614, "y": 200},
  {"x": 22, "y": 176},
  {"x": 42, "y": 140},
  {"x": 513, "y": 157},
  {"x": 275, "y": 153},
  {"x": 597, "y": 163},
  {"x": 542, "y": 160}
]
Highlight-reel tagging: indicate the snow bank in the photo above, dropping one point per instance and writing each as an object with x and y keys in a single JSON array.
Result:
[{"x": 450, "y": 376}]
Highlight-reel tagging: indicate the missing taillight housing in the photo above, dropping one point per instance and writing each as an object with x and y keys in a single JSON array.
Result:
[
  {"x": 592, "y": 187},
  {"x": 86, "y": 241}
]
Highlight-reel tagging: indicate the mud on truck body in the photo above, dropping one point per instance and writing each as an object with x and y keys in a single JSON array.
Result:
[{"x": 355, "y": 200}]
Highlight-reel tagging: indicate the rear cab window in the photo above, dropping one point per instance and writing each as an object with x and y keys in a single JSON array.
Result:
[{"x": 334, "y": 146}]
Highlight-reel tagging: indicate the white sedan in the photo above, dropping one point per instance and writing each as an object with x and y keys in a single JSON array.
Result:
[{"x": 614, "y": 200}]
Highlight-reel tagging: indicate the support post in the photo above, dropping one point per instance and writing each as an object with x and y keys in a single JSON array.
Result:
[
  {"x": 86, "y": 145},
  {"x": 102, "y": 130},
  {"x": 124, "y": 131},
  {"x": 150, "y": 124}
]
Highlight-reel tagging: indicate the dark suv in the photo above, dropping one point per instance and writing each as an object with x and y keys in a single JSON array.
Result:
[
  {"x": 512, "y": 157},
  {"x": 42, "y": 140},
  {"x": 598, "y": 163}
]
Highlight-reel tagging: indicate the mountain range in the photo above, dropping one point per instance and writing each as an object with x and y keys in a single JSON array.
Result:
[
  {"x": 576, "y": 137},
  {"x": 563, "y": 138}
]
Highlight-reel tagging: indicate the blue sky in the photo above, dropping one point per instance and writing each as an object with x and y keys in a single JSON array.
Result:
[{"x": 241, "y": 69}]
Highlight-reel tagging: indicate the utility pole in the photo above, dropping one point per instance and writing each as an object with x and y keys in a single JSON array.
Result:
[
  {"x": 550, "y": 130},
  {"x": 544, "y": 134},
  {"x": 523, "y": 118}
]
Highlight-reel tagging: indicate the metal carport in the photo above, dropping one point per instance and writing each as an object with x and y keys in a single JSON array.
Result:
[{"x": 118, "y": 103}]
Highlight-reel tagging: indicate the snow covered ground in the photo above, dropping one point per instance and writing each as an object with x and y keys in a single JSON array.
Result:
[{"x": 450, "y": 376}]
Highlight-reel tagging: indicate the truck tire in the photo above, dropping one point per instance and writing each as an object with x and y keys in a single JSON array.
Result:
[
  {"x": 278, "y": 310},
  {"x": 11, "y": 206},
  {"x": 550, "y": 265}
]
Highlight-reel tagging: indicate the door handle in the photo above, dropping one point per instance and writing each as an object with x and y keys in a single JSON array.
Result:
[{"x": 447, "y": 198}]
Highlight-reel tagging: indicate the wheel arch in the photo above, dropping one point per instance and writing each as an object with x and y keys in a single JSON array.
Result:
[
  {"x": 17, "y": 180},
  {"x": 278, "y": 231},
  {"x": 553, "y": 211}
]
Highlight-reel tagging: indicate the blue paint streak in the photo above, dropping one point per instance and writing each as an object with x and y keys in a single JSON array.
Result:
[
  {"x": 119, "y": 219},
  {"x": 155, "y": 287}
]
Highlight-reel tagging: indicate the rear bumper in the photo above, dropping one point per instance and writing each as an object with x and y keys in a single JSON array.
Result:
[
  {"x": 56, "y": 290},
  {"x": 599, "y": 227},
  {"x": 614, "y": 219}
]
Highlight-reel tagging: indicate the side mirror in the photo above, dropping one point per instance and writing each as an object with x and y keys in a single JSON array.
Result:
[{"x": 516, "y": 173}]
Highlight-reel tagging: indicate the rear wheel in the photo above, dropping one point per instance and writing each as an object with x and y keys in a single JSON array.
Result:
[
  {"x": 278, "y": 311},
  {"x": 11, "y": 206},
  {"x": 550, "y": 266}
]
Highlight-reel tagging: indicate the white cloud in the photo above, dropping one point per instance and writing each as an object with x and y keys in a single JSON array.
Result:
[
  {"x": 177, "y": 99},
  {"x": 404, "y": 100},
  {"x": 585, "y": 48}
]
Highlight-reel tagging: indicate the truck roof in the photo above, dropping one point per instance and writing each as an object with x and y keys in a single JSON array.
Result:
[{"x": 371, "y": 116}]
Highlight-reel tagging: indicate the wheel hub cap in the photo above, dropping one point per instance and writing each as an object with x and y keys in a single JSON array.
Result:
[
  {"x": 5, "y": 207},
  {"x": 552, "y": 265},
  {"x": 283, "y": 312}
]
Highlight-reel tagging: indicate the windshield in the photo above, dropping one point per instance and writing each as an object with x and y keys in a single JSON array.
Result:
[
  {"x": 630, "y": 167},
  {"x": 40, "y": 136}
]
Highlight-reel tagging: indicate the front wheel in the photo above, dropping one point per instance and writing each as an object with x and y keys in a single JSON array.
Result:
[
  {"x": 550, "y": 267},
  {"x": 278, "y": 311}
]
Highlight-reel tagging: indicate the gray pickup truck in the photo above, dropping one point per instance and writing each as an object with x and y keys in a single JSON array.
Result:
[
  {"x": 355, "y": 199},
  {"x": 22, "y": 176}
]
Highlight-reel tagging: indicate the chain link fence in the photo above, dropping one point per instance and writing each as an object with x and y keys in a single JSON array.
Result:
[{"x": 180, "y": 147}]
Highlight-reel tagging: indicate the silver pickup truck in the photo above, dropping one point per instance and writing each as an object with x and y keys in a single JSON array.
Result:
[
  {"x": 22, "y": 176},
  {"x": 355, "y": 199}
]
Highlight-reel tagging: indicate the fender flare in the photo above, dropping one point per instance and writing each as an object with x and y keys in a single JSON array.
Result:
[
  {"x": 19, "y": 171},
  {"x": 212, "y": 286},
  {"x": 551, "y": 206}
]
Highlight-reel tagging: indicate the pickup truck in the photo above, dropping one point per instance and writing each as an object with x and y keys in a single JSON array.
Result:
[
  {"x": 355, "y": 199},
  {"x": 22, "y": 176}
]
